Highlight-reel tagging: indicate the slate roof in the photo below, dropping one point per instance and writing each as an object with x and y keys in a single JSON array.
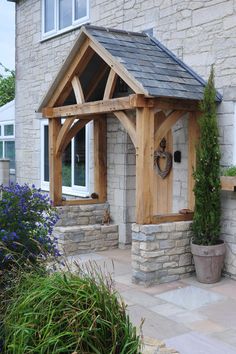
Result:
[{"x": 158, "y": 70}]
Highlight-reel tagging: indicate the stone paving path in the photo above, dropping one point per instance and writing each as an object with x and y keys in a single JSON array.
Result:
[{"x": 191, "y": 317}]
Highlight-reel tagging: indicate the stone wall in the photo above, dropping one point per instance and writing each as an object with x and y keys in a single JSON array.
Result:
[
  {"x": 228, "y": 230},
  {"x": 80, "y": 230},
  {"x": 180, "y": 170},
  {"x": 161, "y": 253},
  {"x": 121, "y": 178}
]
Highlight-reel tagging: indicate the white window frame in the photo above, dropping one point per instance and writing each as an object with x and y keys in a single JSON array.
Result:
[
  {"x": 56, "y": 30},
  {"x": 74, "y": 190},
  {"x": 4, "y": 138}
]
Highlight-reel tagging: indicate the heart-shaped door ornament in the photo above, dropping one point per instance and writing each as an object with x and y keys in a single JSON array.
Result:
[{"x": 158, "y": 155}]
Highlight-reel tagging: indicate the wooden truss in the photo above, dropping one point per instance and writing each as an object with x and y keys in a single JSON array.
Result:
[{"x": 146, "y": 129}]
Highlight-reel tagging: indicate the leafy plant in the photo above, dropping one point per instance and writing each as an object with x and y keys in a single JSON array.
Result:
[
  {"x": 230, "y": 171},
  {"x": 7, "y": 86},
  {"x": 26, "y": 222},
  {"x": 206, "y": 222},
  {"x": 66, "y": 313}
]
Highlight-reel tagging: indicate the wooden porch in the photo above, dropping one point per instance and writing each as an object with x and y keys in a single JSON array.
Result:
[{"x": 147, "y": 119}]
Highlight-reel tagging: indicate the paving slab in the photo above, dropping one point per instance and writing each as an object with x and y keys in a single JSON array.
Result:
[
  {"x": 228, "y": 336},
  {"x": 191, "y": 297},
  {"x": 196, "y": 343},
  {"x": 191, "y": 317},
  {"x": 155, "y": 325},
  {"x": 223, "y": 313}
]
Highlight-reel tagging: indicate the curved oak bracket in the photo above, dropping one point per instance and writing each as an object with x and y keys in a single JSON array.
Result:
[
  {"x": 170, "y": 120},
  {"x": 128, "y": 124}
]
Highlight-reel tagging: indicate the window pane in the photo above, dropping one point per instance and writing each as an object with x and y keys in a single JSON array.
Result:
[
  {"x": 80, "y": 9},
  {"x": 49, "y": 18},
  {"x": 0, "y": 130},
  {"x": 10, "y": 152},
  {"x": 80, "y": 156},
  {"x": 9, "y": 130},
  {"x": 65, "y": 13},
  {"x": 66, "y": 167},
  {"x": 1, "y": 149},
  {"x": 46, "y": 154}
]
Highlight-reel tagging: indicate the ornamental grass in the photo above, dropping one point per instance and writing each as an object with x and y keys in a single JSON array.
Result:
[{"x": 66, "y": 313}]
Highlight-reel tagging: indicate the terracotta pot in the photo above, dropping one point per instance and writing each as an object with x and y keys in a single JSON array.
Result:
[{"x": 209, "y": 261}]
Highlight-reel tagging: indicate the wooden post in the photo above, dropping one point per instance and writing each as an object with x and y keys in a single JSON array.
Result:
[
  {"x": 100, "y": 158},
  {"x": 55, "y": 163},
  {"x": 144, "y": 165},
  {"x": 193, "y": 136}
]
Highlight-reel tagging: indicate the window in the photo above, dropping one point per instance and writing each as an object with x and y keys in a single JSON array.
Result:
[
  {"x": 61, "y": 15},
  {"x": 75, "y": 163},
  {"x": 7, "y": 142}
]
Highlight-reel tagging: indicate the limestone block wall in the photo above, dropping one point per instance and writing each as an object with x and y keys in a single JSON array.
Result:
[
  {"x": 120, "y": 178},
  {"x": 228, "y": 231},
  {"x": 80, "y": 230},
  {"x": 161, "y": 253},
  {"x": 180, "y": 170}
]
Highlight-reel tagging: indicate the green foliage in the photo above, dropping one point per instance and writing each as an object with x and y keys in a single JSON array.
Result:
[
  {"x": 7, "y": 86},
  {"x": 230, "y": 171},
  {"x": 206, "y": 222},
  {"x": 66, "y": 313},
  {"x": 26, "y": 223}
]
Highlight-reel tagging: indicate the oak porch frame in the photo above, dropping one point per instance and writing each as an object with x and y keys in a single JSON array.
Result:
[{"x": 143, "y": 135}]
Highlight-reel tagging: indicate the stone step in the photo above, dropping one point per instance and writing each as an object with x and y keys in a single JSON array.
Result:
[
  {"x": 79, "y": 239},
  {"x": 81, "y": 214}
]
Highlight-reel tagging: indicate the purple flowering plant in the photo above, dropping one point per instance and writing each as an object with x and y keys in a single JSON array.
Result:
[{"x": 26, "y": 223}]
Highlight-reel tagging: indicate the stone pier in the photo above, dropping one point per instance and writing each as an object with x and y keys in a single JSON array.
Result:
[{"x": 161, "y": 253}]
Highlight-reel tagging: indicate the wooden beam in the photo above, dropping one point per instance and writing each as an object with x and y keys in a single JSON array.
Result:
[
  {"x": 128, "y": 124},
  {"x": 144, "y": 165},
  {"x": 110, "y": 85},
  {"x": 193, "y": 136},
  {"x": 77, "y": 66},
  {"x": 55, "y": 163},
  {"x": 159, "y": 219},
  {"x": 78, "y": 91},
  {"x": 170, "y": 120},
  {"x": 80, "y": 201},
  {"x": 88, "y": 108},
  {"x": 62, "y": 144},
  {"x": 117, "y": 67},
  {"x": 165, "y": 103},
  {"x": 62, "y": 133},
  {"x": 95, "y": 80},
  {"x": 100, "y": 158}
]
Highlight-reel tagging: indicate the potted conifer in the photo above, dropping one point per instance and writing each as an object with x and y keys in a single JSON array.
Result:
[{"x": 207, "y": 248}]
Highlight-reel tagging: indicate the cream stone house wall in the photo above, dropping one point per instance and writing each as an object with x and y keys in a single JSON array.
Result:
[{"x": 201, "y": 33}]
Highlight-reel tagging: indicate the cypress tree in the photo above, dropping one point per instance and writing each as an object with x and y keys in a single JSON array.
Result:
[{"x": 206, "y": 221}]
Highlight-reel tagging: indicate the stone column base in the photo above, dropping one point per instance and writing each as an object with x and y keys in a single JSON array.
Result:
[{"x": 161, "y": 253}]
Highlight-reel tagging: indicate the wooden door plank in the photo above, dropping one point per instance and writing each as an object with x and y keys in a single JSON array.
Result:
[{"x": 163, "y": 188}]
